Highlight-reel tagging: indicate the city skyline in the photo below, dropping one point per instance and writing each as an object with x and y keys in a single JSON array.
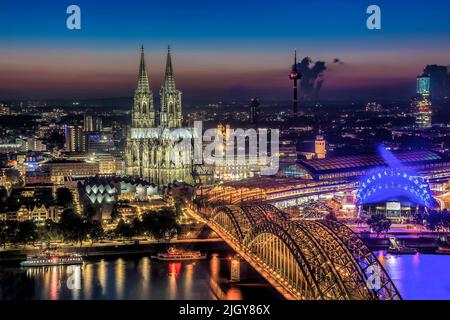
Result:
[
  {"x": 235, "y": 52},
  {"x": 241, "y": 150}
]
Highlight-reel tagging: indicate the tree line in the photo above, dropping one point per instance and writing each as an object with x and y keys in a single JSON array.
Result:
[{"x": 75, "y": 228}]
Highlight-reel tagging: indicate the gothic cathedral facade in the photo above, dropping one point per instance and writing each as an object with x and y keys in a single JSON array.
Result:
[{"x": 150, "y": 143}]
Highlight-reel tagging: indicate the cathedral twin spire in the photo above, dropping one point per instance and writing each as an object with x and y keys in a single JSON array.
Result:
[
  {"x": 143, "y": 115},
  {"x": 169, "y": 81},
  {"x": 143, "y": 84}
]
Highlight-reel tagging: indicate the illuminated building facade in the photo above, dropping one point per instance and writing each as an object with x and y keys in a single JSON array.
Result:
[
  {"x": 33, "y": 144},
  {"x": 150, "y": 147},
  {"x": 31, "y": 203},
  {"x": 61, "y": 169},
  {"x": 234, "y": 169},
  {"x": 102, "y": 193},
  {"x": 108, "y": 164},
  {"x": 396, "y": 190},
  {"x": 74, "y": 138},
  {"x": 422, "y": 102},
  {"x": 320, "y": 147},
  {"x": 99, "y": 142},
  {"x": 325, "y": 179},
  {"x": 316, "y": 149}
]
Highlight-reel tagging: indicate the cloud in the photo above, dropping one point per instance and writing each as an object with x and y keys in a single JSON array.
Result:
[{"x": 312, "y": 77}]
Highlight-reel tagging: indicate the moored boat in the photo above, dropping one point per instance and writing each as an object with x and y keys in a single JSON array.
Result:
[
  {"x": 174, "y": 254},
  {"x": 396, "y": 248},
  {"x": 52, "y": 259},
  {"x": 443, "y": 250}
]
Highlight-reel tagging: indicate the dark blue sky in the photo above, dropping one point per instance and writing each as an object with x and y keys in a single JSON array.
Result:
[{"x": 221, "y": 48}]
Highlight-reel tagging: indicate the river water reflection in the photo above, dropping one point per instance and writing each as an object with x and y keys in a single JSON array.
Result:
[
  {"x": 420, "y": 276},
  {"x": 130, "y": 278}
]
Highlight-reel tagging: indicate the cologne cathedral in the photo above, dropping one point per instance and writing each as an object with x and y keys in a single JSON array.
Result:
[{"x": 152, "y": 152}]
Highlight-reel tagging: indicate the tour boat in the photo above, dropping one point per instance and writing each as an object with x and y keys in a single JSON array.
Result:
[
  {"x": 52, "y": 259},
  {"x": 396, "y": 248},
  {"x": 443, "y": 250},
  {"x": 174, "y": 254}
]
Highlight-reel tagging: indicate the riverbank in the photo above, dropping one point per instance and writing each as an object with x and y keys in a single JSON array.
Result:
[
  {"x": 427, "y": 243},
  {"x": 120, "y": 248}
]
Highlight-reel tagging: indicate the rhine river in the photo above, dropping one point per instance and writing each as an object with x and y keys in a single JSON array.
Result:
[{"x": 419, "y": 276}]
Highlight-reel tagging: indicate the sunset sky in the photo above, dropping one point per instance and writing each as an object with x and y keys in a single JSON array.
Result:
[{"x": 221, "y": 49}]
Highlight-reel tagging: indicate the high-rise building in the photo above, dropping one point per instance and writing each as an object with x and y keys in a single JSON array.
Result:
[
  {"x": 152, "y": 152},
  {"x": 421, "y": 104},
  {"x": 33, "y": 144},
  {"x": 423, "y": 84},
  {"x": 254, "y": 111},
  {"x": 92, "y": 123},
  {"x": 74, "y": 138}
]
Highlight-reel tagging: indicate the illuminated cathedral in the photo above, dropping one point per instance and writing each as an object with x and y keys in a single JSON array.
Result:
[{"x": 151, "y": 151}]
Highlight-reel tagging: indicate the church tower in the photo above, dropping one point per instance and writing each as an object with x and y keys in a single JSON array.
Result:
[
  {"x": 171, "y": 114},
  {"x": 143, "y": 113}
]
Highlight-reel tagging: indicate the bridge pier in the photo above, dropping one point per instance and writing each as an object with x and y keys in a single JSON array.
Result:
[{"x": 235, "y": 269}]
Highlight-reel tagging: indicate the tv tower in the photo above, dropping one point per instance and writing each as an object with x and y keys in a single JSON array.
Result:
[{"x": 294, "y": 75}]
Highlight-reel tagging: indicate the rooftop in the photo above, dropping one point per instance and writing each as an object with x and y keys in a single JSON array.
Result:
[{"x": 370, "y": 160}]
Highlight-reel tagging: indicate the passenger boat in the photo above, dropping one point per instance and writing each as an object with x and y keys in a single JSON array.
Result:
[
  {"x": 174, "y": 254},
  {"x": 444, "y": 245},
  {"x": 443, "y": 250},
  {"x": 396, "y": 248},
  {"x": 52, "y": 259}
]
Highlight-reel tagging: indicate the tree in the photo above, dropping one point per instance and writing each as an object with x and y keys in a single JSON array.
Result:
[
  {"x": 11, "y": 229},
  {"x": 124, "y": 230},
  {"x": 89, "y": 212},
  {"x": 115, "y": 213},
  {"x": 50, "y": 231},
  {"x": 80, "y": 230},
  {"x": 138, "y": 226},
  {"x": 379, "y": 223},
  {"x": 161, "y": 224},
  {"x": 3, "y": 196},
  {"x": 437, "y": 220},
  {"x": 4, "y": 233},
  {"x": 73, "y": 226},
  {"x": 14, "y": 176},
  {"x": 95, "y": 231},
  {"x": 64, "y": 197},
  {"x": 27, "y": 232}
]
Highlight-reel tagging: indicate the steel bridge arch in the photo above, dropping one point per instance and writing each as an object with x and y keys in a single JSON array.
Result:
[
  {"x": 312, "y": 259},
  {"x": 239, "y": 220},
  {"x": 365, "y": 260},
  {"x": 230, "y": 219},
  {"x": 292, "y": 255},
  {"x": 342, "y": 258}
]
